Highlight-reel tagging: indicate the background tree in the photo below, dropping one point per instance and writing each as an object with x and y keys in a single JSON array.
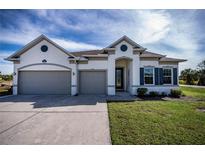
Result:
[
  {"x": 6, "y": 77},
  {"x": 189, "y": 76},
  {"x": 201, "y": 73}
]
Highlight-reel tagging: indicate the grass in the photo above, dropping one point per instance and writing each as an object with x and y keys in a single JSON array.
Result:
[
  {"x": 194, "y": 92},
  {"x": 157, "y": 122}
]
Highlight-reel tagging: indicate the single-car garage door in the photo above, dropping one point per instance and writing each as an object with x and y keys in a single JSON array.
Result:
[
  {"x": 44, "y": 82},
  {"x": 92, "y": 82}
]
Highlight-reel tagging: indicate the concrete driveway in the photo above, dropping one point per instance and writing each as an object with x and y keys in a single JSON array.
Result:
[{"x": 54, "y": 120}]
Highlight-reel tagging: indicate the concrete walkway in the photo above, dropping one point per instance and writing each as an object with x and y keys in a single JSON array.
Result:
[
  {"x": 194, "y": 86},
  {"x": 54, "y": 120}
]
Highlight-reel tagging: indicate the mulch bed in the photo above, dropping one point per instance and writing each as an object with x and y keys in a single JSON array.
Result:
[{"x": 167, "y": 98}]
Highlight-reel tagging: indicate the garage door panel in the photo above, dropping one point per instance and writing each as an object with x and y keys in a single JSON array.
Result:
[
  {"x": 44, "y": 82},
  {"x": 92, "y": 82}
]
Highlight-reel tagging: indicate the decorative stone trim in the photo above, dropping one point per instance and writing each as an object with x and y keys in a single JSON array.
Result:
[
  {"x": 135, "y": 85},
  {"x": 97, "y": 58},
  {"x": 111, "y": 85}
]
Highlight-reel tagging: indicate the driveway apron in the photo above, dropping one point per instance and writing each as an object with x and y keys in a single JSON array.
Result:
[{"x": 54, "y": 119}]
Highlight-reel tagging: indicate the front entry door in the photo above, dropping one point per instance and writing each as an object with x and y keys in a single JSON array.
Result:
[{"x": 119, "y": 78}]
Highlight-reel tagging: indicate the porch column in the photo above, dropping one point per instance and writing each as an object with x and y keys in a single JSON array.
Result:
[
  {"x": 111, "y": 76},
  {"x": 136, "y": 74},
  {"x": 74, "y": 77}
]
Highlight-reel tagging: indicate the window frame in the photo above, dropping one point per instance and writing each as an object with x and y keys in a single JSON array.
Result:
[
  {"x": 153, "y": 72},
  {"x": 43, "y": 47},
  {"x": 123, "y": 45},
  {"x": 170, "y": 68}
]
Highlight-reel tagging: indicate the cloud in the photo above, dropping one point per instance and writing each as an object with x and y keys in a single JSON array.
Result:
[
  {"x": 21, "y": 36},
  {"x": 144, "y": 26},
  {"x": 6, "y": 67},
  {"x": 28, "y": 31},
  {"x": 184, "y": 38},
  {"x": 73, "y": 46},
  {"x": 152, "y": 25},
  {"x": 171, "y": 32}
]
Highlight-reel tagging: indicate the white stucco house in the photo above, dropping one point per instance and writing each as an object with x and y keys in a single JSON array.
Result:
[{"x": 44, "y": 67}]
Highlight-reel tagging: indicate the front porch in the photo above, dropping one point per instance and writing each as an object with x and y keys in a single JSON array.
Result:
[{"x": 123, "y": 75}]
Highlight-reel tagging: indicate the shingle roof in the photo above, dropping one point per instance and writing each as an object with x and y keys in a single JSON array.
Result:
[
  {"x": 146, "y": 54},
  {"x": 88, "y": 52},
  {"x": 167, "y": 59}
]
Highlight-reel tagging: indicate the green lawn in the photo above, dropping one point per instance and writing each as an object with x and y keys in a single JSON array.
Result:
[
  {"x": 194, "y": 92},
  {"x": 159, "y": 122}
]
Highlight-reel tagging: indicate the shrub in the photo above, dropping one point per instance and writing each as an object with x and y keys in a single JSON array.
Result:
[
  {"x": 153, "y": 93},
  {"x": 183, "y": 94},
  {"x": 141, "y": 91},
  {"x": 10, "y": 90},
  {"x": 6, "y": 91},
  {"x": 163, "y": 94},
  {"x": 176, "y": 93},
  {"x": 182, "y": 82}
]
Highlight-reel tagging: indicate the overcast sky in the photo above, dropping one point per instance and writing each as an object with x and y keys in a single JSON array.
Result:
[{"x": 175, "y": 33}]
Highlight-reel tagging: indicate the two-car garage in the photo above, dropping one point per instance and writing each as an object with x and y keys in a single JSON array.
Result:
[{"x": 59, "y": 82}]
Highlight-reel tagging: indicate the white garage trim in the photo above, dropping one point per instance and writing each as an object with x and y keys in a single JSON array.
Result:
[{"x": 44, "y": 64}]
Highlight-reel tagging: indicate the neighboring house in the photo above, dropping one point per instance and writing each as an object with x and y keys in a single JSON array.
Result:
[{"x": 43, "y": 67}]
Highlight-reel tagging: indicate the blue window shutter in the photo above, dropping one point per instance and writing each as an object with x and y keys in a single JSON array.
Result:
[
  {"x": 160, "y": 76},
  {"x": 141, "y": 76},
  {"x": 175, "y": 76},
  {"x": 156, "y": 76}
]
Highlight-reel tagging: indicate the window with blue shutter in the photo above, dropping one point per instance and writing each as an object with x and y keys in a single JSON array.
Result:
[
  {"x": 160, "y": 76},
  {"x": 167, "y": 75},
  {"x": 156, "y": 76},
  {"x": 141, "y": 76},
  {"x": 175, "y": 76},
  {"x": 149, "y": 75}
]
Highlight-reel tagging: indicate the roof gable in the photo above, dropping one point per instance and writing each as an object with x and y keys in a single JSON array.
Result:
[
  {"x": 32, "y": 44},
  {"x": 127, "y": 39}
]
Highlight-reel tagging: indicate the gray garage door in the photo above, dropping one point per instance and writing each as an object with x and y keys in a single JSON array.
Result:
[
  {"x": 92, "y": 82},
  {"x": 44, "y": 82}
]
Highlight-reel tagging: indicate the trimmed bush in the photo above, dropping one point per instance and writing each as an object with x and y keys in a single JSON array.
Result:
[
  {"x": 182, "y": 82},
  {"x": 153, "y": 93},
  {"x": 10, "y": 90},
  {"x": 175, "y": 93},
  {"x": 163, "y": 94},
  {"x": 141, "y": 91}
]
